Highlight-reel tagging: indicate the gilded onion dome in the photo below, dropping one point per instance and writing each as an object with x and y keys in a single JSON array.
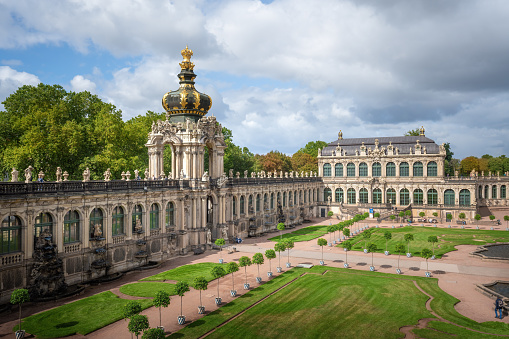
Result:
[{"x": 186, "y": 102}]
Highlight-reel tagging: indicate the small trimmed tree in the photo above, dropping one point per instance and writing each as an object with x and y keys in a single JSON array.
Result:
[
  {"x": 376, "y": 215},
  {"x": 280, "y": 247},
  {"x": 408, "y": 213},
  {"x": 289, "y": 245},
  {"x": 400, "y": 248},
  {"x": 392, "y": 217},
  {"x": 217, "y": 272},
  {"x": 258, "y": 260},
  {"x": 492, "y": 217},
  {"x": 347, "y": 245},
  {"x": 506, "y": 218},
  {"x": 433, "y": 239},
  {"x": 331, "y": 229},
  {"x": 477, "y": 217},
  {"x": 19, "y": 297},
  {"x": 435, "y": 214},
  {"x": 409, "y": 237},
  {"x": 422, "y": 214},
  {"x": 448, "y": 216},
  {"x": 180, "y": 289},
  {"x": 426, "y": 254},
  {"x": 153, "y": 333},
  {"x": 372, "y": 248},
  {"x": 200, "y": 284},
  {"x": 462, "y": 215},
  {"x": 322, "y": 242},
  {"x": 232, "y": 267},
  {"x": 137, "y": 324},
  {"x": 220, "y": 242},
  {"x": 401, "y": 214},
  {"x": 366, "y": 235},
  {"x": 281, "y": 228},
  {"x": 245, "y": 262},
  {"x": 346, "y": 232},
  {"x": 161, "y": 299},
  {"x": 330, "y": 214},
  {"x": 387, "y": 236},
  {"x": 270, "y": 254},
  {"x": 131, "y": 308}
]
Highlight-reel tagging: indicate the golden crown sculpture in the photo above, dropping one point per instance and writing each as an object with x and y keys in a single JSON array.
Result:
[{"x": 187, "y": 54}]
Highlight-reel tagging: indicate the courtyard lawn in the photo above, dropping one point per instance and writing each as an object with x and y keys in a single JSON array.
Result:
[
  {"x": 147, "y": 289},
  {"x": 304, "y": 234},
  {"x": 82, "y": 316},
  {"x": 447, "y": 239},
  {"x": 185, "y": 273}
]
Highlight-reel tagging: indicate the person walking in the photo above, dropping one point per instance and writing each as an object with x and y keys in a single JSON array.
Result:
[{"x": 498, "y": 307}]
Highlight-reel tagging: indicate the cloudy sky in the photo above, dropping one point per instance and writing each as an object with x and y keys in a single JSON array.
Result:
[{"x": 283, "y": 72}]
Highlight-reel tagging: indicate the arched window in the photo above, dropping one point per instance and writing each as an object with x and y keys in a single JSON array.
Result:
[
  {"x": 391, "y": 196},
  {"x": 493, "y": 192},
  {"x": 96, "y": 223},
  {"x": 71, "y": 227},
  {"x": 338, "y": 170},
  {"x": 390, "y": 169},
  {"x": 350, "y": 196},
  {"x": 300, "y": 197},
  {"x": 464, "y": 197},
  {"x": 279, "y": 197},
  {"x": 272, "y": 201},
  {"x": 486, "y": 191},
  {"x": 480, "y": 192},
  {"x": 404, "y": 197},
  {"x": 137, "y": 217},
  {"x": 305, "y": 196},
  {"x": 418, "y": 197},
  {"x": 250, "y": 204},
  {"x": 377, "y": 169},
  {"x": 42, "y": 221},
  {"x": 327, "y": 192},
  {"x": 266, "y": 202},
  {"x": 363, "y": 169},
  {"x": 257, "y": 203},
  {"x": 377, "y": 196},
  {"x": 10, "y": 235},
  {"x": 284, "y": 199},
  {"x": 117, "y": 221},
  {"x": 295, "y": 198},
  {"x": 154, "y": 217},
  {"x": 339, "y": 195},
  {"x": 350, "y": 170},
  {"x": 363, "y": 196},
  {"x": 326, "y": 170},
  {"x": 449, "y": 198},
  {"x": 432, "y": 169},
  {"x": 503, "y": 193},
  {"x": 404, "y": 169},
  {"x": 418, "y": 169},
  {"x": 170, "y": 214},
  {"x": 242, "y": 203},
  {"x": 432, "y": 197},
  {"x": 234, "y": 205}
]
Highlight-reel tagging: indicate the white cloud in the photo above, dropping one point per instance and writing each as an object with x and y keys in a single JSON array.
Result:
[
  {"x": 11, "y": 62},
  {"x": 11, "y": 80},
  {"x": 80, "y": 84}
]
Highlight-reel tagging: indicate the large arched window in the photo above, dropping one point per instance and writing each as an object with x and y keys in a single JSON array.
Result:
[
  {"x": 257, "y": 203},
  {"x": 391, "y": 196},
  {"x": 10, "y": 235},
  {"x": 295, "y": 198},
  {"x": 170, "y": 214},
  {"x": 377, "y": 169},
  {"x": 390, "y": 169},
  {"x": 404, "y": 197},
  {"x": 363, "y": 196},
  {"x": 432, "y": 197},
  {"x": 284, "y": 199},
  {"x": 464, "y": 197},
  {"x": 486, "y": 192},
  {"x": 351, "y": 196},
  {"x": 234, "y": 205},
  {"x": 242, "y": 205},
  {"x": 493, "y": 192},
  {"x": 326, "y": 170},
  {"x": 377, "y": 196},
  {"x": 300, "y": 197},
  {"x": 250, "y": 204},
  {"x": 266, "y": 202},
  {"x": 137, "y": 217},
  {"x": 338, "y": 170},
  {"x": 71, "y": 227},
  {"x": 503, "y": 193},
  {"x": 432, "y": 169},
  {"x": 96, "y": 224},
  {"x": 117, "y": 221},
  {"x": 272, "y": 201},
  {"x": 363, "y": 169},
  {"x": 418, "y": 197},
  {"x": 350, "y": 170},
  {"x": 404, "y": 169},
  {"x": 154, "y": 217},
  {"x": 339, "y": 195},
  {"x": 449, "y": 198},
  {"x": 42, "y": 221},
  {"x": 480, "y": 192},
  {"x": 418, "y": 169},
  {"x": 305, "y": 197},
  {"x": 279, "y": 197},
  {"x": 327, "y": 192}
]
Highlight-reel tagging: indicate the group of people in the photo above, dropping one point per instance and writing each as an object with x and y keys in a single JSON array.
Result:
[{"x": 499, "y": 307}]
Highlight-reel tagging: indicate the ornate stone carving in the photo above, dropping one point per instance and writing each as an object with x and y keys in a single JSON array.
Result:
[
  {"x": 28, "y": 174},
  {"x": 14, "y": 175},
  {"x": 86, "y": 175},
  {"x": 107, "y": 175},
  {"x": 59, "y": 174}
]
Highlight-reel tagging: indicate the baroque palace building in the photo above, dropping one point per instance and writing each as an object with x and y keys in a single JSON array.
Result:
[{"x": 107, "y": 226}]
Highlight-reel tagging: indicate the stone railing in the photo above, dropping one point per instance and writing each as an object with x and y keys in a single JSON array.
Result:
[
  {"x": 72, "y": 248},
  {"x": 119, "y": 239},
  {"x": 9, "y": 259},
  {"x": 267, "y": 181},
  {"x": 155, "y": 232}
]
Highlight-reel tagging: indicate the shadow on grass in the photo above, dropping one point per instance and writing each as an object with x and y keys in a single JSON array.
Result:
[
  {"x": 196, "y": 323},
  {"x": 67, "y": 324}
]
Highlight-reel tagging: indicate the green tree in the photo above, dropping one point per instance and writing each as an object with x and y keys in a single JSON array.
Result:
[
  {"x": 346, "y": 232},
  {"x": 422, "y": 214},
  {"x": 220, "y": 243},
  {"x": 239, "y": 159},
  {"x": 387, "y": 236},
  {"x": 280, "y": 247},
  {"x": 401, "y": 214},
  {"x": 392, "y": 217},
  {"x": 413, "y": 132},
  {"x": 331, "y": 229},
  {"x": 400, "y": 248},
  {"x": 19, "y": 297},
  {"x": 270, "y": 254},
  {"x": 426, "y": 254},
  {"x": 372, "y": 249},
  {"x": 408, "y": 213},
  {"x": 162, "y": 299},
  {"x": 289, "y": 245},
  {"x": 131, "y": 308},
  {"x": 435, "y": 214},
  {"x": 200, "y": 284},
  {"x": 153, "y": 333},
  {"x": 258, "y": 260},
  {"x": 217, "y": 272},
  {"x": 322, "y": 242},
  {"x": 376, "y": 215},
  {"x": 506, "y": 218},
  {"x": 409, "y": 237},
  {"x": 492, "y": 217},
  {"x": 433, "y": 239},
  {"x": 281, "y": 228},
  {"x": 448, "y": 216},
  {"x": 366, "y": 235},
  {"x": 347, "y": 245},
  {"x": 180, "y": 289},
  {"x": 462, "y": 215},
  {"x": 303, "y": 162},
  {"x": 137, "y": 324},
  {"x": 450, "y": 164},
  {"x": 312, "y": 147},
  {"x": 244, "y": 262},
  {"x": 330, "y": 214},
  {"x": 273, "y": 161},
  {"x": 232, "y": 267}
]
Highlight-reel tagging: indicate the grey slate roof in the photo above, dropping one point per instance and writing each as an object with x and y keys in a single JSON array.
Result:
[{"x": 403, "y": 143}]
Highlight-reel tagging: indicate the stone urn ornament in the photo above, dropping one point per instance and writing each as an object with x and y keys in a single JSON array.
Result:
[
  {"x": 269, "y": 274},
  {"x": 201, "y": 309},
  {"x": 233, "y": 293},
  {"x": 259, "y": 280},
  {"x": 288, "y": 265},
  {"x": 279, "y": 269},
  {"x": 181, "y": 319},
  {"x": 218, "y": 300},
  {"x": 246, "y": 286}
]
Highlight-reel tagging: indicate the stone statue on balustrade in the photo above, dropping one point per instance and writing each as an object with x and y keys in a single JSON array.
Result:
[
  {"x": 28, "y": 174},
  {"x": 230, "y": 173},
  {"x": 86, "y": 175},
  {"x": 205, "y": 176},
  {"x": 14, "y": 175},
  {"x": 146, "y": 174},
  {"x": 209, "y": 236},
  {"x": 225, "y": 234},
  {"x": 65, "y": 175},
  {"x": 136, "y": 174},
  {"x": 98, "y": 232},
  {"x": 107, "y": 175},
  {"x": 59, "y": 174}
]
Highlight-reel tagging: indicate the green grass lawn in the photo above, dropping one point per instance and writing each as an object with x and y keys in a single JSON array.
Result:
[
  {"x": 82, "y": 316},
  {"x": 304, "y": 234},
  {"x": 147, "y": 289},
  {"x": 447, "y": 239},
  {"x": 185, "y": 273}
]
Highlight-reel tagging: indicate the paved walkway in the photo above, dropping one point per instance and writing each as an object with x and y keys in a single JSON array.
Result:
[{"x": 457, "y": 274}]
